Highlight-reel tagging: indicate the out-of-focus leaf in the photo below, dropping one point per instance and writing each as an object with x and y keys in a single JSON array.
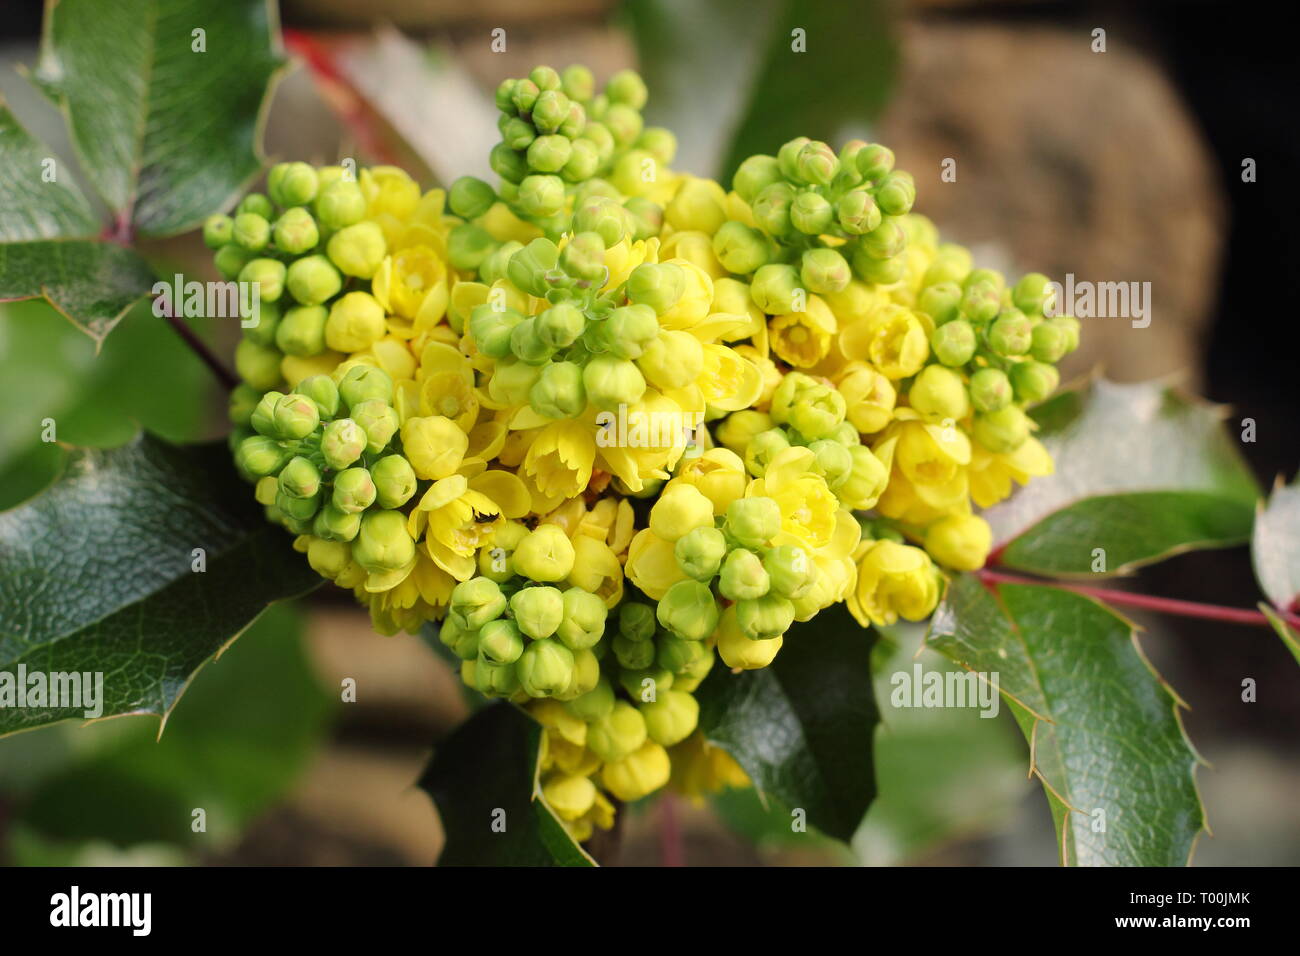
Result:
[
  {"x": 802, "y": 727},
  {"x": 97, "y": 574},
  {"x": 163, "y": 99},
  {"x": 1275, "y": 546},
  {"x": 483, "y": 779},
  {"x": 92, "y": 283},
  {"x": 40, "y": 199},
  {"x": 1290, "y": 637},
  {"x": 1103, "y": 728},
  {"x": 236, "y": 740},
  {"x": 1142, "y": 472}
]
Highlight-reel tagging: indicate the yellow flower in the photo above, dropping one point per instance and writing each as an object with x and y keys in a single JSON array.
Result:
[
  {"x": 808, "y": 506},
  {"x": 804, "y": 338},
  {"x": 455, "y": 520},
  {"x": 640, "y": 773},
  {"x": 696, "y": 300},
  {"x": 652, "y": 564},
  {"x": 405, "y": 279},
  {"x": 434, "y": 445},
  {"x": 697, "y": 249},
  {"x": 561, "y": 457},
  {"x": 418, "y": 598},
  {"x": 961, "y": 542},
  {"x": 718, "y": 473},
  {"x": 700, "y": 768},
  {"x": 739, "y": 651},
  {"x": 894, "y": 580},
  {"x": 596, "y": 568},
  {"x": 893, "y": 339},
  {"x": 991, "y": 475},
  {"x": 391, "y": 198},
  {"x": 699, "y": 205},
  {"x": 869, "y": 395}
]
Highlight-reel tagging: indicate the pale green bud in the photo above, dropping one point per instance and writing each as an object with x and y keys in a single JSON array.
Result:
[
  {"x": 771, "y": 208},
  {"x": 743, "y": 576},
  {"x": 477, "y": 601},
  {"x": 857, "y": 212},
  {"x": 251, "y": 232},
  {"x": 544, "y": 554},
  {"x": 990, "y": 389},
  {"x": 761, "y": 449},
  {"x": 468, "y": 245},
  {"x": 811, "y": 213},
  {"x": 773, "y": 288},
  {"x": 299, "y": 478},
  {"x": 301, "y": 331},
  {"x": 764, "y": 618},
  {"x": 753, "y": 522},
  {"x": 617, "y": 734},
  {"x": 660, "y": 286},
  {"x": 292, "y": 184},
  {"x": 740, "y": 249},
  {"x": 218, "y": 230},
  {"x": 875, "y": 162},
  {"x": 700, "y": 551},
  {"x": 824, "y": 271},
  {"x": 296, "y": 416},
  {"x": 629, "y": 330},
  {"x": 395, "y": 481},
  {"x": 362, "y": 383},
  {"x": 336, "y": 525},
  {"x": 342, "y": 443},
  {"x": 295, "y": 231},
  {"x": 378, "y": 420},
  {"x": 595, "y": 704},
  {"x": 259, "y": 455},
  {"x": 541, "y": 196},
  {"x": 688, "y": 610},
  {"x": 816, "y": 163},
  {"x": 508, "y": 163},
  {"x": 834, "y": 462},
  {"x": 530, "y": 266},
  {"x": 313, "y": 280},
  {"x": 1034, "y": 381},
  {"x": 354, "y": 490},
  {"x": 230, "y": 259},
  {"x": 545, "y": 668},
  {"x": 583, "y": 623},
  {"x": 754, "y": 175},
  {"x": 671, "y": 717},
  {"x": 340, "y": 204},
  {"x": 611, "y": 381},
  {"x": 269, "y": 274},
  {"x": 383, "y": 544},
  {"x": 500, "y": 642},
  {"x": 790, "y": 571},
  {"x": 559, "y": 392},
  {"x": 1002, "y": 431},
  {"x": 321, "y": 390}
]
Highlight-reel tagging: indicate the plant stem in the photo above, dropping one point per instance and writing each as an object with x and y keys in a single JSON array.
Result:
[
  {"x": 199, "y": 348},
  {"x": 671, "y": 851},
  {"x": 1211, "y": 612}
]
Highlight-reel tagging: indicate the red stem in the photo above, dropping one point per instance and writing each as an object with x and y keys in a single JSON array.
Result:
[
  {"x": 1212, "y": 612},
  {"x": 671, "y": 852}
]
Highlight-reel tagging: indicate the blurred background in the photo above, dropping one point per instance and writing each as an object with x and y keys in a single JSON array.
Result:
[{"x": 1122, "y": 165}]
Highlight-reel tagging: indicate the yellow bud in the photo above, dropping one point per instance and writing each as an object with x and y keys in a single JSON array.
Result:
[
  {"x": 960, "y": 542},
  {"x": 640, "y": 773},
  {"x": 680, "y": 508},
  {"x": 434, "y": 446},
  {"x": 355, "y": 323}
]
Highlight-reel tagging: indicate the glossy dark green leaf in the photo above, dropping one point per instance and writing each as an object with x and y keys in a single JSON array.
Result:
[
  {"x": 1142, "y": 472},
  {"x": 802, "y": 727},
  {"x": 483, "y": 779},
  {"x": 97, "y": 574},
  {"x": 91, "y": 282},
  {"x": 1103, "y": 729},
  {"x": 163, "y": 100},
  {"x": 41, "y": 201}
]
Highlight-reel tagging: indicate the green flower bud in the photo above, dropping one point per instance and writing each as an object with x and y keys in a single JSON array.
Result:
[
  {"x": 262, "y": 418},
  {"x": 524, "y": 95},
  {"x": 583, "y": 624},
  {"x": 764, "y": 618},
  {"x": 940, "y": 393},
  {"x": 619, "y": 733},
  {"x": 545, "y": 78},
  {"x": 688, "y": 610},
  {"x": 251, "y": 231},
  {"x": 754, "y": 175},
  {"x": 336, "y": 525},
  {"x": 611, "y": 381},
  {"x": 218, "y": 230},
  {"x": 549, "y": 154},
  {"x": 637, "y": 682},
  {"x": 530, "y": 266},
  {"x": 470, "y": 198},
  {"x": 743, "y": 576},
  {"x": 1033, "y": 293},
  {"x": 491, "y": 329},
  {"x": 495, "y": 680},
  {"x": 383, "y": 543},
  {"x": 866, "y": 483},
  {"x": 541, "y": 196},
  {"x": 848, "y": 174},
  {"x": 761, "y": 449},
  {"x": 559, "y": 392},
  {"x": 773, "y": 288},
  {"x": 328, "y": 558},
  {"x": 700, "y": 551},
  {"x": 499, "y": 642},
  {"x": 1070, "y": 326},
  {"x": 1034, "y": 381},
  {"x": 595, "y": 704},
  {"x": 629, "y": 330},
  {"x": 512, "y": 381},
  {"x": 818, "y": 411},
  {"x": 772, "y": 207},
  {"x": 624, "y": 123},
  {"x": 302, "y": 330},
  {"x": 1002, "y": 431},
  {"x": 321, "y": 390},
  {"x": 257, "y": 204},
  {"x": 259, "y": 455},
  {"x": 508, "y": 163},
  {"x": 1049, "y": 343},
  {"x": 834, "y": 462},
  {"x": 378, "y": 420},
  {"x": 811, "y": 213},
  {"x": 357, "y": 250},
  {"x": 269, "y": 274},
  {"x": 990, "y": 389},
  {"x": 896, "y": 193},
  {"x": 292, "y": 184},
  {"x": 577, "y": 83},
  {"x": 857, "y": 212},
  {"x": 583, "y": 258},
  {"x": 636, "y": 621},
  {"x": 394, "y": 480},
  {"x": 312, "y": 280},
  {"x": 603, "y": 216},
  {"x": 518, "y": 134},
  {"x": 753, "y": 522},
  {"x": 478, "y": 601},
  {"x": 671, "y": 717},
  {"x": 299, "y": 478},
  {"x": 787, "y": 156},
  {"x": 790, "y": 571},
  {"x": 468, "y": 245},
  {"x": 885, "y": 241},
  {"x": 296, "y": 416},
  {"x": 362, "y": 383},
  {"x": 660, "y": 286},
  {"x": 342, "y": 443},
  {"x": 941, "y": 302},
  {"x": 954, "y": 342},
  {"x": 950, "y": 265},
  {"x": 244, "y": 400},
  {"x": 659, "y": 143},
  {"x": 462, "y": 639},
  {"x": 875, "y": 162},
  {"x": 816, "y": 163},
  {"x": 633, "y": 655},
  {"x": 627, "y": 87},
  {"x": 493, "y": 268},
  {"x": 544, "y": 554},
  {"x": 824, "y": 270},
  {"x": 1011, "y": 333},
  {"x": 989, "y": 277},
  {"x": 545, "y": 667},
  {"x": 550, "y": 112},
  {"x": 678, "y": 655},
  {"x": 298, "y": 511},
  {"x": 739, "y": 248},
  {"x": 582, "y": 163},
  {"x": 527, "y": 345},
  {"x": 981, "y": 301},
  {"x": 354, "y": 490},
  {"x": 878, "y": 271},
  {"x": 231, "y": 259},
  {"x": 267, "y": 316},
  {"x": 340, "y": 204}
]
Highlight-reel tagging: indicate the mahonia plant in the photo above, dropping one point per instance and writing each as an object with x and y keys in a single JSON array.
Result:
[{"x": 437, "y": 394}]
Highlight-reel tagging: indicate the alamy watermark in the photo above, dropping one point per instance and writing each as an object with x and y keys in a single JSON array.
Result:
[
  {"x": 1101, "y": 300},
  {"x": 637, "y": 428},
  {"x": 53, "y": 690},
  {"x": 217, "y": 300},
  {"x": 933, "y": 689}
]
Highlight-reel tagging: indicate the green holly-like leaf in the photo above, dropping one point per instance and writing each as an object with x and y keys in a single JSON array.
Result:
[
  {"x": 41, "y": 200},
  {"x": 802, "y": 727},
  {"x": 483, "y": 779},
  {"x": 163, "y": 100},
  {"x": 92, "y": 283},
  {"x": 1142, "y": 472},
  {"x": 98, "y": 574},
  {"x": 1104, "y": 733}
]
